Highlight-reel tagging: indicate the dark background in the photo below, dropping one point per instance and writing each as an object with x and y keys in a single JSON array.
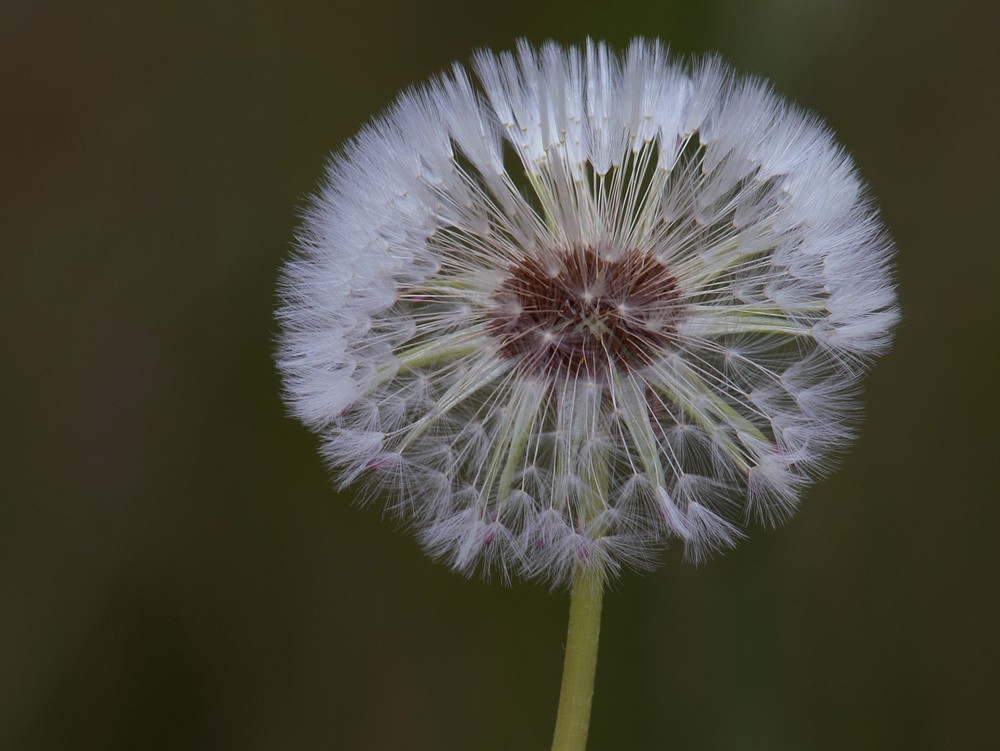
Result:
[{"x": 176, "y": 571}]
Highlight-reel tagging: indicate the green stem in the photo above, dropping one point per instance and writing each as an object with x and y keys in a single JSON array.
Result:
[{"x": 573, "y": 718}]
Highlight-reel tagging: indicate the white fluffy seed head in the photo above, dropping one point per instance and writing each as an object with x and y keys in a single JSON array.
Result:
[{"x": 564, "y": 310}]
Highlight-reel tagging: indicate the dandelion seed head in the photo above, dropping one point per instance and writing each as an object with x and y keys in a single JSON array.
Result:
[{"x": 563, "y": 310}]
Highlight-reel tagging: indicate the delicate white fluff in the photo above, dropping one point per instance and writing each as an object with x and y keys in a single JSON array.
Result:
[{"x": 389, "y": 348}]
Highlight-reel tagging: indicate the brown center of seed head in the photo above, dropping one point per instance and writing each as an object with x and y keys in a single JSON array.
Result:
[{"x": 578, "y": 313}]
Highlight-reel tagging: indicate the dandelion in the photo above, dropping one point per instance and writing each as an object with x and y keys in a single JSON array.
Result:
[{"x": 575, "y": 306}]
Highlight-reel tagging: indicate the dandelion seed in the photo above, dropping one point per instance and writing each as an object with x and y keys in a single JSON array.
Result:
[{"x": 574, "y": 306}]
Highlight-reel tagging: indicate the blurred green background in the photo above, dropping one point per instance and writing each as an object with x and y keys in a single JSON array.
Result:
[{"x": 176, "y": 571}]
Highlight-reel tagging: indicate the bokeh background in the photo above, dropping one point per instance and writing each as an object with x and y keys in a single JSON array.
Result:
[{"x": 176, "y": 571}]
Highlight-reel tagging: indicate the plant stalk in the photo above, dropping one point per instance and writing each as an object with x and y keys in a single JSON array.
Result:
[{"x": 580, "y": 666}]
